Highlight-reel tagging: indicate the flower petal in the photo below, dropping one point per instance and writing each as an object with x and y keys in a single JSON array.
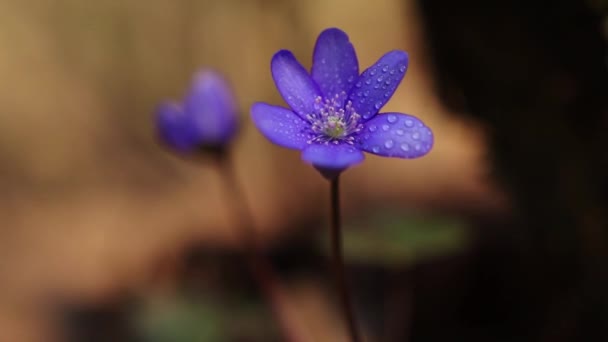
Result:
[
  {"x": 174, "y": 128},
  {"x": 335, "y": 67},
  {"x": 211, "y": 106},
  {"x": 377, "y": 84},
  {"x": 293, "y": 82},
  {"x": 280, "y": 125},
  {"x": 396, "y": 135},
  {"x": 330, "y": 156}
]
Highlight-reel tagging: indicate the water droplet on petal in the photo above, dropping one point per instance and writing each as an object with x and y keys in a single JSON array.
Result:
[
  {"x": 385, "y": 127},
  {"x": 391, "y": 118},
  {"x": 372, "y": 128},
  {"x": 385, "y": 68},
  {"x": 417, "y": 147},
  {"x": 416, "y": 136},
  {"x": 402, "y": 68},
  {"x": 375, "y": 149},
  {"x": 389, "y": 144},
  {"x": 420, "y": 124},
  {"x": 376, "y": 86},
  {"x": 378, "y": 105},
  {"x": 405, "y": 147},
  {"x": 368, "y": 81},
  {"x": 387, "y": 82},
  {"x": 379, "y": 79},
  {"x": 409, "y": 123},
  {"x": 399, "y": 132},
  {"x": 372, "y": 72},
  {"x": 350, "y": 79},
  {"x": 366, "y": 93},
  {"x": 387, "y": 94},
  {"x": 392, "y": 72}
]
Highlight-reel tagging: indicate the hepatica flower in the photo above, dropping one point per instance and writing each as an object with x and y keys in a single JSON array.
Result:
[
  {"x": 333, "y": 116},
  {"x": 206, "y": 118}
]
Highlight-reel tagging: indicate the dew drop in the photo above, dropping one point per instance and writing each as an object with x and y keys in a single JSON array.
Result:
[
  {"x": 389, "y": 144},
  {"x": 392, "y": 72},
  {"x": 385, "y": 127},
  {"x": 402, "y": 68},
  {"x": 362, "y": 101},
  {"x": 375, "y": 149},
  {"x": 420, "y": 124},
  {"x": 350, "y": 79},
  {"x": 417, "y": 147},
  {"x": 399, "y": 132},
  {"x": 391, "y": 118},
  {"x": 281, "y": 124},
  {"x": 368, "y": 81},
  {"x": 372, "y": 72},
  {"x": 359, "y": 94},
  {"x": 387, "y": 94},
  {"x": 378, "y": 105},
  {"x": 379, "y": 79},
  {"x": 358, "y": 85},
  {"x": 366, "y": 93},
  {"x": 376, "y": 86},
  {"x": 373, "y": 128},
  {"x": 387, "y": 82},
  {"x": 405, "y": 147},
  {"x": 416, "y": 136},
  {"x": 385, "y": 68},
  {"x": 409, "y": 123}
]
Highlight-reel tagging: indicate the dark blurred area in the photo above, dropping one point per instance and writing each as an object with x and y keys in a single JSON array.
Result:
[{"x": 500, "y": 234}]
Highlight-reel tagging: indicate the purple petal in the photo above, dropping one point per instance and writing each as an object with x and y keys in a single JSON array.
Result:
[
  {"x": 212, "y": 108},
  {"x": 335, "y": 67},
  {"x": 293, "y": 82},
  {"x": 396, "y": 135},
  {"x": 174, "y": 128},
  {"x": 377, "y": 84},
  {"x": 280, "y": 125},
  {"x": 330, "y": 156}
]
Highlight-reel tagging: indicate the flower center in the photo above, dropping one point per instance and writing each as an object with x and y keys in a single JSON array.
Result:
[{"x": 334, "y": 121}]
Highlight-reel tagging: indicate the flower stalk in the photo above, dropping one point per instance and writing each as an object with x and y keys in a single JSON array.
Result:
[
  {"x": 260, "y": 268},
  {"x": 338, "y": 260}
]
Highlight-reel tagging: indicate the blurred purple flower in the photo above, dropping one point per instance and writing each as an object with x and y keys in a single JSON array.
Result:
[
  {"x": 207, "y": 117},
  {"x": 333, "y": 115}
]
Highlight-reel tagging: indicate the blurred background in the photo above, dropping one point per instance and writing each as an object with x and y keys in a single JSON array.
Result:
[{"x": 499, "y": 234}]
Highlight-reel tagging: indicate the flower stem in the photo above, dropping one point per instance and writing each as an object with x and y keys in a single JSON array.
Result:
[
  {"x": 260, "y": 268},
  {"x": 338, "y": 260}
]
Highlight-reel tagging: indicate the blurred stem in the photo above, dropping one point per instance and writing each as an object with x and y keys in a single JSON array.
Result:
[
  {"x": 338, "y": 260},
  {"x": 261, "y": 269}
]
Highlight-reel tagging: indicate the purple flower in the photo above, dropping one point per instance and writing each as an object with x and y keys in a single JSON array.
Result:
[
  {"x": 334, "y": 110},
  {"x": 207, "y": 118}
]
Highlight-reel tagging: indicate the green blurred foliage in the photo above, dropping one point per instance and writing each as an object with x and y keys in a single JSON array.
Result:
[
  {"x": 391, "y": 239},
  {"x": 189, "y": 318}
]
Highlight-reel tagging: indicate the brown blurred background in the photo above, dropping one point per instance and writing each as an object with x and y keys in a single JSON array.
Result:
[{"x": 93, "y": 208}]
